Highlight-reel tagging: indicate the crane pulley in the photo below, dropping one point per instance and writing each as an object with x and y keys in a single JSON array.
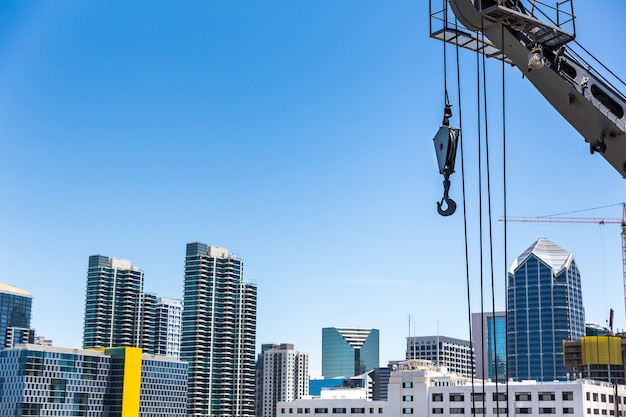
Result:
[{"x": 446, "y": 141}]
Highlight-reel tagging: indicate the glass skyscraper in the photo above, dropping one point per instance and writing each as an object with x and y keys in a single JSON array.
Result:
[
  {"x": 489, "y": 337},
  {"x": 15, "y": 306},
  {"x": 219, "y": 333},
  {"x": 545, "y": 307},
  {"x": 348, "y": 352},
  {"x": 117, "y": 312}
]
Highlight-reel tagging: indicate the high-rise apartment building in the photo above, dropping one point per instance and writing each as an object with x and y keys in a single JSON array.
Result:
[
  {"x": 219, "y": 333},
  {"x": 117, "y": 312},
  {"x": 169, "y": 313},
  {"x": 456, "y": 355},
  {"x": 347, "y": 352},
  {"x": 545, "y": 308},
  {"x": 15, "y": 306},
  {"x": 489, "y": 342},
  {"x": 284, "y": 374}
]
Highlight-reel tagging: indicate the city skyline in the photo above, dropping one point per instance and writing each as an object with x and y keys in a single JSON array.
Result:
[{"x": 300, "y": 129}]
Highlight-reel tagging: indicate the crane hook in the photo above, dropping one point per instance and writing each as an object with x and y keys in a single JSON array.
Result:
[{"x": 451, "y": 204}]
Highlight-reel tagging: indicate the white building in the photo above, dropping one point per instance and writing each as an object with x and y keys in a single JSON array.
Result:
[
  {"x": 169, "y": 313},
  {"x": 285, "y": 376},
  {"x": 455, "y": 354},
  {"x": 420, "y": 388}
]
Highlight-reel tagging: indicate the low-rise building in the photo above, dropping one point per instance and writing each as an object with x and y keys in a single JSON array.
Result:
[
  {"x": 53, "y": 381},
  {"x": 418, "y": 387}
]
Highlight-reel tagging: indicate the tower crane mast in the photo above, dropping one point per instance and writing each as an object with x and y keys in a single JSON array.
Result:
[{"x": 595, "y": 220}]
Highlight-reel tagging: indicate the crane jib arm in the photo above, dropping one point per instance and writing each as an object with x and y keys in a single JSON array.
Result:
[{"x": 537, "y": 48}]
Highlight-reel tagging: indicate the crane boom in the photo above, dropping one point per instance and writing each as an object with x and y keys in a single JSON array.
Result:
[
  {"x": 595, "y": 220},
  {"x": 537, "y": 43}
]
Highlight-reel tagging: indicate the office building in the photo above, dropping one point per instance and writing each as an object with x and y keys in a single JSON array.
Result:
[
  {"x": 219, "y": 333},
  {"x": 455, "y": 354},
  {"x": 53, "y": 381},
  {"x": 284, "y": 374},
  {"x": 489, "y": 342},
  {"x": 117, "y": 312},
  {"x": 15, "y": 306},
  {"x": 347, "y": 352},
  {"x": 544, "y": 309},
  {"x": 168, "y": 328}
]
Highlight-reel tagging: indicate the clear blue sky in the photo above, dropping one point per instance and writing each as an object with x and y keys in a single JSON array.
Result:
[{"x": 298, "y": 134}]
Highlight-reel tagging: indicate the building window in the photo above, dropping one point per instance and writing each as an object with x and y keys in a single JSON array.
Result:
[
  {"x": 568, "y": 410},
  {"x": 407, "y": 411},
  {"x": 611, "y": 398},
  {"x": 307, "y": 410},
  {"x": 523, "y": 396},
  {"x": 523, "y": 410},
  {"x": 546, "y": 396},
  {"x": 499, "y": 396},
  {"x": 588, "y": 398},
  {"x": 339, "y": 411},
  {"x": 457, "y": 397},
  {"x": 407, "y": 398},
  {"x": 595, "y": 396},
  {"x": 501, "y": 410},
  {"x": 596, "y": 411},
  {"x": 371, "y": 410},
  {"x": 437, "y": 397},
  {"x": 479, "y": 411},
  {"x": 282, "y": 411},
  {"x": 380, "y": 410},
  {"x": 357, "y": 410},
  {"x": 568, "y": 396},
  {"x": 407, "y": 385},
  {"x": 603, "y": 398},
  {"x": 437, "y": 410},
  {"x": 457, "y": 410},
  {"x": 547, "y": 410},
  {"x": 321, "y": 411},
  {"x": 478, "y": 396}
]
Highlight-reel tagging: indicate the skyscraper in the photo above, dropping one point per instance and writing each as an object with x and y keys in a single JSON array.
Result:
[
  {"x": 169, "y": 312},
  {"x": 117, "y": 312},
  {"x": 489, "y": 341},
  {"x": 219, "y": 333},
  {"x": 15, "y": 305},
  {"x": 545, "y": 307},
  {"x": 348, "y": 352},
  {"x": 284, "y": 376}
]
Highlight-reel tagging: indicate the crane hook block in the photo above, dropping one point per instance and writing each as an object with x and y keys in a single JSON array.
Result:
[{"x": 445, "y": 142}]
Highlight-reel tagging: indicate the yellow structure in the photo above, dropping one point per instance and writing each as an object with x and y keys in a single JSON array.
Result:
[
  {"x": 601, "y": 350},
  {"x": 131, "y": 382}
]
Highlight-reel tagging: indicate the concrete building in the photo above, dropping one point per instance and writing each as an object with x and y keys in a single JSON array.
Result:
[
  {"x": 347, "y": 352},
  {"x": 53, "y": 381},
  {"x": 168, "y": 327},
  {"x": 219, "y": 333},
  {"x": 544, "y": 308},
  {"x": 284, "y": 374},
  {"x": 117, "y": 312},
  {"x": 489, "y": 343},
  {"x": 456, "y": 354},
  {"x": 420, "y": 388},
  {"x": 15, "y": 307}
]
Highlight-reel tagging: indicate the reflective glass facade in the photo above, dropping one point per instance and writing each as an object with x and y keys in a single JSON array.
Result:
[
  {"x": 15, "y": 306},
  {"x": 52, "y": 381},
  {"x": 544, "y": 308},
  {"x": 348, "y": 352},
  {"x": 219, "y": 333},
  {"x": 496, "y": 348}
]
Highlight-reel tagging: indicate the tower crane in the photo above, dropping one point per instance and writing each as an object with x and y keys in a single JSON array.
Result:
[{"x": 601, "y": 221}]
